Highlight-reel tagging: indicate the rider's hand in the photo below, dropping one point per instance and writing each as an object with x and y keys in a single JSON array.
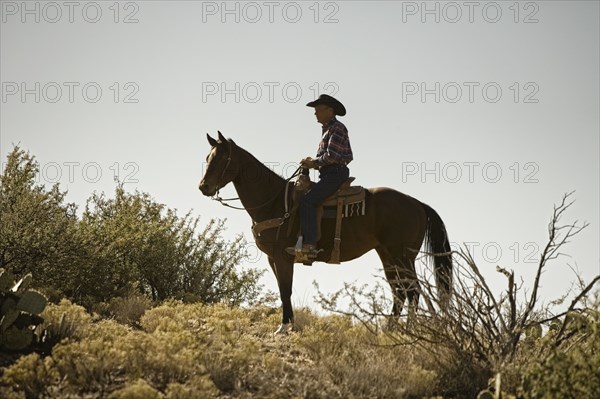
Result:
[{"x": 309, "y": 163}]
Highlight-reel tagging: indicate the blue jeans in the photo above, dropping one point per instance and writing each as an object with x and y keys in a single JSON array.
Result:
[{"x": 331, "y": 178}]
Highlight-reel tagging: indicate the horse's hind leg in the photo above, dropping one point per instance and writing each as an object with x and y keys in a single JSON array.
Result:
[
  {"x": 393, "y": 277},
  {"x": 409, "y": 283},
  {"x": 401, "y": 275}
]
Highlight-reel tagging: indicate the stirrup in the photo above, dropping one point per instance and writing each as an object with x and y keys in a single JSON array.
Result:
[{"x": 301, "y": 255}]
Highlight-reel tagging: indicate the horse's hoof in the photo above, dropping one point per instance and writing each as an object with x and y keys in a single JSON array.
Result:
[{"x": 284, "y": 329}]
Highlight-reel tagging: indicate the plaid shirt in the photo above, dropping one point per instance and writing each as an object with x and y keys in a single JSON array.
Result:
[{"x": 334, "y": 147}]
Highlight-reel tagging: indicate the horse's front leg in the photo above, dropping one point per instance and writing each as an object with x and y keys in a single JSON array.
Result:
[{"x": 283, "y": 267}]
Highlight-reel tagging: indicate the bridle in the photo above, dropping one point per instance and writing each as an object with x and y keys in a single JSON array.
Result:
[
  {"x": 216, "y": 196},
  {"x": 223, "y": 201}
]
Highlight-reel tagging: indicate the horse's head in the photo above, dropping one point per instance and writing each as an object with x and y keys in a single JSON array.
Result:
[{"x": 221, "y": 168}]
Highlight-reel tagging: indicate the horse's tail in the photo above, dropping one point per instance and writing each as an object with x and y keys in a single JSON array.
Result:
[{"x": 438, "y": 245}]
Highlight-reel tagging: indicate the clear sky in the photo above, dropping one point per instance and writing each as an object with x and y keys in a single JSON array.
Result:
[{"x": 487, "y": 111}]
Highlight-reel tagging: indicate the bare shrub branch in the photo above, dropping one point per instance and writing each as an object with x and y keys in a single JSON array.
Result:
[{"x": 477, "y": 325}]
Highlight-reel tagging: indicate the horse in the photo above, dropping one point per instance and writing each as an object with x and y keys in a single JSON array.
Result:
[{"x": 394, "y": 224}]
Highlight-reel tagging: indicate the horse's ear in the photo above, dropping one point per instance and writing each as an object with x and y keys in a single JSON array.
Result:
[
  {"x": 221, "y": 138},
  {"x": 211, "y": 141}
]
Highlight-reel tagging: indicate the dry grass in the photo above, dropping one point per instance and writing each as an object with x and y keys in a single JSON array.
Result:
[
  {"x": 195, "y": 351},
  {"x": 186, "y": 350}
]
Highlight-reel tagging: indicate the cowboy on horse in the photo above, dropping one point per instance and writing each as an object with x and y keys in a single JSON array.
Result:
[
  {"x": 392, "y": 223},
  {"x": 333, "y": 156}
]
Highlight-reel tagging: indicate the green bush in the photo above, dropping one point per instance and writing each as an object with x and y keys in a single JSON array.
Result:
[
  {"x": 65, "y": 320},
  {"x": 136, "y": 390},
  {"x": 129, "y": 310},
  {"x": 120, "y": 247},
  {"x": 39, "y": 231},
  {"x": 29, "y": 377},
  {"x": 570, "y": 369}
]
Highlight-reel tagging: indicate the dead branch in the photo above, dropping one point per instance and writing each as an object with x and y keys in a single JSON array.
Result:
[{"x": 477, "y": 323}]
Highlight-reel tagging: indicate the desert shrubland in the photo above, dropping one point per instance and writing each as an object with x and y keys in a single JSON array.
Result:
[{"x": 145, "y": 304}]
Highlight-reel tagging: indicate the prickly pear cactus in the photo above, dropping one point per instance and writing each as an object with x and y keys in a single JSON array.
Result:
[{"x": 19, "y": 312}]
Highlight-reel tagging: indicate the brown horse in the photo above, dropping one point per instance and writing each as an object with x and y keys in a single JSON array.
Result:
[{"x": 395, "y": 225}]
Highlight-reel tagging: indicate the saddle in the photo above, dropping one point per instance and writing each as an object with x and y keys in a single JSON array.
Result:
[
  {"x": 348, "y": 201},
  {"x": 349, "y": 194}
]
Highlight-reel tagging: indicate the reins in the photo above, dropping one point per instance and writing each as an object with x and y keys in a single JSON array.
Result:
[
  {"x": 223, "y": 201},
  {"x": 258, "y": 227}
]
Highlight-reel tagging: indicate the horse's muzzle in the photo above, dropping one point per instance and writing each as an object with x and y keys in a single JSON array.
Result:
[{"x": 205, "y": 189}]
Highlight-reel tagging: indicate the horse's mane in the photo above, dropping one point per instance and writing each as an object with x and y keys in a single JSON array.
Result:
[{"x": 251, "y": 159}]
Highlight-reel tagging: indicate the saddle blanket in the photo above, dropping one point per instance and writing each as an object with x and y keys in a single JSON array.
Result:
[{"x": 349, "y": 210}]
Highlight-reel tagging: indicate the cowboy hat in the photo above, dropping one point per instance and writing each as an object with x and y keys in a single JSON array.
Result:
[{"x": 338, "y": 107}]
